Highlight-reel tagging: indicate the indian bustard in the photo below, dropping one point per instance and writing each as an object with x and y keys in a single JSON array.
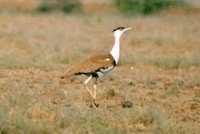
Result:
[{"x": 98, "y": 65}]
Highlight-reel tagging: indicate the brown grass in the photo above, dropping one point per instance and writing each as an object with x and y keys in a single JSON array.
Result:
[{"x": 163, "y": 86}]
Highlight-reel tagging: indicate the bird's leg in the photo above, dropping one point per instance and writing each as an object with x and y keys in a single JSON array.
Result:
[
  {"x": 85, "y": 82},
  {"x": 93, "y": 97},
  {"x": 91, "y": 94},
  {"x": 95, "y": 91},
  {"x": 95, "y": 88},
  {"x": 88, "y": 79}
]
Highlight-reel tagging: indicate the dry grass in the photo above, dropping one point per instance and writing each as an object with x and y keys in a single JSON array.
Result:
[{"x": 163, "y": 87}]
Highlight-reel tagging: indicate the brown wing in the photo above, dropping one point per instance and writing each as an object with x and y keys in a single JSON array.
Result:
[{"x": 91, "y": 64}]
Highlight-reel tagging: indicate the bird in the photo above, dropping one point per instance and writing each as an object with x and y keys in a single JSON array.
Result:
[{"x": 98, "y": 65}]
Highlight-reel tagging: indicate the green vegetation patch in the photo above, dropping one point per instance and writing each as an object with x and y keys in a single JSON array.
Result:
[
  {"x": 145, "y": 6},
  {"x": 66, "y": 6}
]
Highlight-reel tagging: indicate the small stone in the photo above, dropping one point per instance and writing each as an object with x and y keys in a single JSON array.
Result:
[
  {"x": 130, "y": 83},
  {"x": 127, "y": 104}
]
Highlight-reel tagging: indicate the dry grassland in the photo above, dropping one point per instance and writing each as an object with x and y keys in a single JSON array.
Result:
[{"x": 163, "y": 86}]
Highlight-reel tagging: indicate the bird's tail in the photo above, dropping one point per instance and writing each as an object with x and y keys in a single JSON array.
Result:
[
  {"x": 69, "y": 77},
  {"x": 70, "y": 73},
  {"x": 66, "y": 75}
]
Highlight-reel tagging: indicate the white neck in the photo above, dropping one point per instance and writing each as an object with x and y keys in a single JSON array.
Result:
[{"x": 116, "y": 49}]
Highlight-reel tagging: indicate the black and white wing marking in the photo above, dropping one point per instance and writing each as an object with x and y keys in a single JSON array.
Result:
[{"x": 97, "y": 65}]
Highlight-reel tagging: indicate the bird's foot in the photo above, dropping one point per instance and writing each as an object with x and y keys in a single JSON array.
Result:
[{"x": 95, "y": 104}]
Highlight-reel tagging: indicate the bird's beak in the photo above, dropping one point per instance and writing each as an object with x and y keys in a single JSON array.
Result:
[{"x": 128, "y": 28}]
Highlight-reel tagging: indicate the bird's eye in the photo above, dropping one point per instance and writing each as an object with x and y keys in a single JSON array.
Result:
[{"x": 121, "y": 28}]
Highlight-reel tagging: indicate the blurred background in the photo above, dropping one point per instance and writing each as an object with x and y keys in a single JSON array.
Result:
[
  {"x": 61, "y": 27},
  {"x": 125, "y": 6}
]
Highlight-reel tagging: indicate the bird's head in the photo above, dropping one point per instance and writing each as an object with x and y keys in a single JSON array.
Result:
[{"x": 120, "y": 30}]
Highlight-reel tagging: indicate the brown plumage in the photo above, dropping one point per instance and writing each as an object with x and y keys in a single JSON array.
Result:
[{"x": 90, "y": 65}]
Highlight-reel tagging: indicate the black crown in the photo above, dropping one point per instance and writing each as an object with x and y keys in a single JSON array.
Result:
[{"x": 119, "y": 28}]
